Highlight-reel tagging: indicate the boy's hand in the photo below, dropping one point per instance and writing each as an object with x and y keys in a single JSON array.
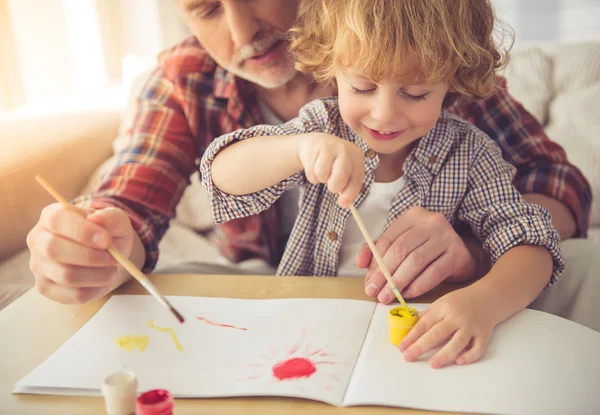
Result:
[
  {"x": 460, "y": 316},
  {"x": 336, "y": 162},
  {"x": 68, "y": 252}
]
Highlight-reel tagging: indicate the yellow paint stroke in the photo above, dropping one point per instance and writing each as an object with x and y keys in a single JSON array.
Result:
[
  {"x": 131, "y": 342},
  {"x": 171, "y": 332}
]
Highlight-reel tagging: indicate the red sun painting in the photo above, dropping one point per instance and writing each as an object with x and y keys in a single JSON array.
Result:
[{"x": 297, "y": 363}]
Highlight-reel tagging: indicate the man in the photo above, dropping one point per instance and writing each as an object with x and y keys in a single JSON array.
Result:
[{"x": 234, "y": 73}]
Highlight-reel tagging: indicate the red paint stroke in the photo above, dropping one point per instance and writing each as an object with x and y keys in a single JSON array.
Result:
[
  {"x": 297, "y": 367},
  {"x": 212, "y": 323}
]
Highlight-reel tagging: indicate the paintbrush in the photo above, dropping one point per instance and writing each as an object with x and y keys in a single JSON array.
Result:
[
  {"x": 121, "y": 259},
  {"x": 378, "y": 257}
]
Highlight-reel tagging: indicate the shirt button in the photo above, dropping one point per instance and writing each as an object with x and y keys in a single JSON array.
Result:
[
  {"x": 370, "y": 153},
  {"x": 364, "y": 188},
  {"x": 432, "y": 159},
  {"x": 332, "y": 236}
]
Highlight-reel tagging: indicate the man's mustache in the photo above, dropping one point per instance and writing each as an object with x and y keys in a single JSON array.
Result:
[{"x": 257, "y": 47}]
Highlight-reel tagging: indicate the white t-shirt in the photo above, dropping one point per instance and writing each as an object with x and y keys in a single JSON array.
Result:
[{"x": 374, "y": 211}]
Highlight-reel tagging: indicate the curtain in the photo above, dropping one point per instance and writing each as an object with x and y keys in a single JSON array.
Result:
[{"x": 56, "y": 48}]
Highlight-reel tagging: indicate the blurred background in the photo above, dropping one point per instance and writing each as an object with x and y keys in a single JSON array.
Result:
[{"x": 56, "y": 52}]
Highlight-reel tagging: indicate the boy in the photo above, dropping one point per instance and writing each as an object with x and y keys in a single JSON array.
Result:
[{"x": 384, "y": 145}]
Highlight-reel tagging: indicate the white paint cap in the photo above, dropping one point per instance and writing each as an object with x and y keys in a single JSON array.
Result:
[{"x": 120, "y": 393}]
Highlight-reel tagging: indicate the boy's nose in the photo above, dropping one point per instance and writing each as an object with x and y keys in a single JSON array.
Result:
[{"x": 385, "y": 113}]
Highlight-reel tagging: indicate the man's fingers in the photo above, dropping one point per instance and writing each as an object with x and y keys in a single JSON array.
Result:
[
  {"x": 433, "y": 276},
  {"x": 75, "y": 276},
  {"x": 65, "y": 223},
  {"x": 67, "y": 295},
  {"x": 363, "y": 259},
  {"x": 65, "y": 251},
  {"x": 401, "y": 248},
  {"x": 383, "y": 244},
  {"x": 114, "y": 220},
  {"x": 415, "y": 263}
]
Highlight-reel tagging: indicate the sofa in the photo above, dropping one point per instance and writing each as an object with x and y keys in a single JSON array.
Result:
[{"x": 558, "y": 83}]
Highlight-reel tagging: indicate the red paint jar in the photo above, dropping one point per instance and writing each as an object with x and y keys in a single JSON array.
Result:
[{"x": 155, "y": 402}]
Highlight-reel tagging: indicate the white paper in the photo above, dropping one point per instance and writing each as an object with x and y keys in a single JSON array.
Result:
[
  {"x": 216, "y": 361},
  {"x": 536, "y": 363}
]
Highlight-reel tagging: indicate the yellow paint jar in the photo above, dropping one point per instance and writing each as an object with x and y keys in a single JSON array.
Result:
[{"x": 400, "y": 322}]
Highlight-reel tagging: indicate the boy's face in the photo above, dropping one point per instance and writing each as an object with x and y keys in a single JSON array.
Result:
[
  {"x": 388, "y": 115},
  {"x": 245, "y": 37}
]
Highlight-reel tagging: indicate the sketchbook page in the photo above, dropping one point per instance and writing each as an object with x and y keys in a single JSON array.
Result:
[
  {"x": 227, "y": 347},
  {"x": 535, "y": 364}
]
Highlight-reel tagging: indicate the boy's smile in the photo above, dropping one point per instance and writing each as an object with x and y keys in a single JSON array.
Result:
[
  {"x": 383, "y": 135},
  {"x": 388, "y": 115}
]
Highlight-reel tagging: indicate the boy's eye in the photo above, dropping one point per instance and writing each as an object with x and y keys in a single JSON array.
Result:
[
  {"x": 362, "y": 91},
  {"x": 416, "y": 97}
]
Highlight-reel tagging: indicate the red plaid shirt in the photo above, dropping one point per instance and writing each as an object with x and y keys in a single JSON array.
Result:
[{"x": 189, "y": 100}]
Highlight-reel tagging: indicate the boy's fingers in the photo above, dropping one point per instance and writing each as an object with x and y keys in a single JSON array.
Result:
[
  {"x": 422, "y": 326},
  {"x": 473, "y": 354},
  {"x": 451, "y": 350},
  {"x": 323, "y": 166},
  {"x": 434, "y": 336},
  {"x": 352, "y": 189},
  {"x": 340, "y": 175}
]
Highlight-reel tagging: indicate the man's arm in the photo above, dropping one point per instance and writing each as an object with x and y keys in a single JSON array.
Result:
[
  {"x": 152, "y": 169},
  {"x": 544, "y": 174}
]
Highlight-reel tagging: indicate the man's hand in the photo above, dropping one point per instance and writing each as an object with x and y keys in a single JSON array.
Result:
[
  {"x": 421, "y": 250},
  {"x": 68, "y": 253}
]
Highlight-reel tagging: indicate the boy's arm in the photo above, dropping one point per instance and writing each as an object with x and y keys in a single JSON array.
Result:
[
  {"x": 499, "y": 216},
  {"x": 246, "y": 171},
  {"x": 544, "y": 174},
  {"x": 514, "y": 281},
  {"x": 248, "y": 166}
]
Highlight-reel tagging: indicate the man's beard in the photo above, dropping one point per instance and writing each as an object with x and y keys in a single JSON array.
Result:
[{"x": 266, "y": 76}]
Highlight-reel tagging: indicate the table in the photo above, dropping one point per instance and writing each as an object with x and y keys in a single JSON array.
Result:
[{"x": 33, "y": 327}]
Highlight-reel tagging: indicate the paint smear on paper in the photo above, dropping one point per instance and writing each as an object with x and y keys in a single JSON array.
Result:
[
  {"x": 294, "y": 368},
  {"x": 131, "y": 342},
  {"x": 171, "y": 332},
  {"x": 212, "y": 323}
]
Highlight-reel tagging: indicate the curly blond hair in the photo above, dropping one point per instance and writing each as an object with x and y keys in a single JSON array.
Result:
[{"x": 421, "y": 41}]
